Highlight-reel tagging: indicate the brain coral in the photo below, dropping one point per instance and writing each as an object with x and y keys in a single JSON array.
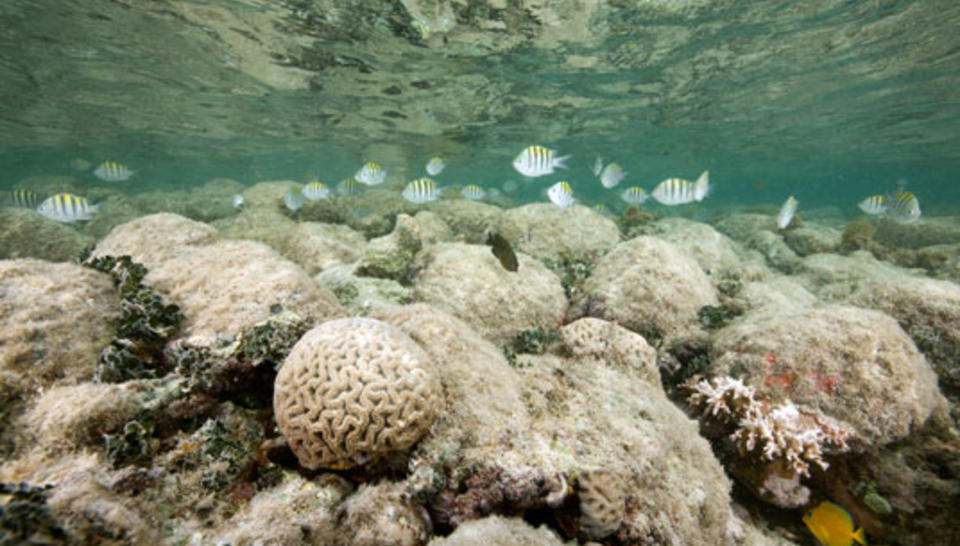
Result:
[{"x": 353, "y": 389}]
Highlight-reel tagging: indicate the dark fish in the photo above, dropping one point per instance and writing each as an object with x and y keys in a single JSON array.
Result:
[{"x": 503, "y": 251}]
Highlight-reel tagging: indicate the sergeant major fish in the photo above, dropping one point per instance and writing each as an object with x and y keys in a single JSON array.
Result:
[
  {"x": 472, "y": 192},
  {"x": 875, "y": 204},
  {"x": 904, "y": 207},
  {"x": 435, "y": 166},
  {"x": 315, "y": 191},
  {"x": 111, "y": 171},
  {"x": 422, "y": 190},
  {"x": 371, "y": 174},
  {"x": 293, "y": 199},
  {"x": 677, "y": 191},
  {"x": 66, "y": 207},
  {"x": 561, "y": 195},
  {"x": 24, "y": 198},
  {"x": 536, "y": 161},
  {"x": 634, "y": 196},
  {"x": 611, "y": 175}
]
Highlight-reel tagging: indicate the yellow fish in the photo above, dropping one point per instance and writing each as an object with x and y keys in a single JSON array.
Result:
[{"x": 833, "y": 526}]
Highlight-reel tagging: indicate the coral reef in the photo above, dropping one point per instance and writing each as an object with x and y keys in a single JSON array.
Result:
[
  {"x": 26, "y": 234},
  {"x": 602, "y": 503},
  {"x": 469, "y": 282},
  {"x": 812, "y": 239},
  {"x": 25, "y": 517},
  {"x": 783, "y": 432},
  {"x": 56, "y": 318},
  {"x": 850, "y": 363},
  {"x": 858, "y": 235},
  {"x": 499, "y": 531},
  {"x": 315, "y": 246},
  {"x": 382, "y": 514},
  {"x": 220, "y": 286},
  {"x": 545, "y": 231},
  {"x": 354, "y": 389},
  {"x": 648, "y": 285},
  {"x": 390, "y": 256},
  {"x": 468, "y": 220}
]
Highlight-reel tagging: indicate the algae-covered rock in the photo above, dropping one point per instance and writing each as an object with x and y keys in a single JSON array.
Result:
[
  {"x": 651, "y": 287},
  {"x": 155, "y": 239},
  {"x": 942, "y": 230},
  {"x": 773, "y": 248},
  {"x": 543, "y": 230},
  {"x": 812, "y": 239},
  {"x": 469, "y": 282},
  {"x": 361, "y": 295},
  {"x": 228, "y": 285},
  {"x": 25, "y": 233},
  {"x": 391, "y": 256},
  {"x": 714, "y": 251},
  {"x": 499, "y": 531},
  {"x": 855, "y": 365},
  {"x": 470, "y": 220},
  {"x": 56, "y": 318},
  {"x": 382, "y": 514},
  {"x": 315, "y": 246}
]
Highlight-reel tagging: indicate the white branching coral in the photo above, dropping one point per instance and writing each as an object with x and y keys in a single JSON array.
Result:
[{"x": 781, "y": 432}]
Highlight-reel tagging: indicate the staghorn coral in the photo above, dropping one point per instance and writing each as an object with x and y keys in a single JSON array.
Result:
[
  {"x": 354, "y": 389},
  {"x": 781, "y": 432}
]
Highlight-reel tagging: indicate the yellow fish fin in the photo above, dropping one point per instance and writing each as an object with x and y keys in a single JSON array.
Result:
[{"x": 860, "y": 536}]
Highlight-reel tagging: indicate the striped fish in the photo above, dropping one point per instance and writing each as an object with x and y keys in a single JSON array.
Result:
[
  {"x": 421, "y": 190},
  {"x": 293, "y": 199},
  {"x": 315, "y": 191},
  {"x": 349, "y": 186},
  {"x": 24, "y": 198},
  {"x": 371, "y": 174},
  {"x": 537, "y": 161},
  {"x": 634, "y": 196},
  {"x": 904, "y": 207},
  {"x": 473, "y": 192},
  {"x": 66, "y": 207},
  {"x": 677, "y": 191},
  {"x": 875, "y": 204},
  {"x": 561, "y": 195},
  {"x": 435, "y": 166},
  {"x": 611, "y": 175},
  {"x": 111, "y": 171}
]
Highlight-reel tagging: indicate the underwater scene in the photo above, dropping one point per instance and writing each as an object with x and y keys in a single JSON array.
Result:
[{"x": 480, "y": 272}]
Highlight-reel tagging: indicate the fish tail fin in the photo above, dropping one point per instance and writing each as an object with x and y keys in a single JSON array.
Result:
[
  {"x": 860, "y": 536},
  {"x": 93, "y": 209},
  {"x": 559, "y": 161},
  {"x": 702, "y": 186}
]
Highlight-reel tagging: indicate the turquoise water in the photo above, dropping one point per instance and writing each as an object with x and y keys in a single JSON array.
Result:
[{"x": 830, "y": 101}]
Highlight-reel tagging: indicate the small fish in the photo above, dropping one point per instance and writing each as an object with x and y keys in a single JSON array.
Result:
[
  {"x": 421, "y": 190},
  {"x": 536, "y": 161},
  {"x": 349, "y": 186},
  {"x": 473, "y": 192},
  {"x": 315, "y": 191},
  {"x": 634, "y": 195},
  {"x": 677, "y": 191},
  {"x": 786, "y": 212},
  {"x": 111, "y": 171},
  {"x": 561, "y": 195},
  {"x": 237, "y": 201},
  {"x": 503, "y": 251},
  {"x": 293, "y": 200},
  {"x": 597, "y": 166},
  {"x": 24, "y": 198},
  {"x": 66, "y": 207},
  {"x": 371, "y": 174},
  {"x": 80, "y": 164},
  {"x": 904, "y": 207},
  {"x": 435, "y": 166},
  {"x": 875, "y": 204},
  {"x": 611, "y": 175},
  {"x": 833, "y": 526}
]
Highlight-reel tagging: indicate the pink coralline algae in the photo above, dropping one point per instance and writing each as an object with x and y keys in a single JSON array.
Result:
[{"x": 782, "y": 432}]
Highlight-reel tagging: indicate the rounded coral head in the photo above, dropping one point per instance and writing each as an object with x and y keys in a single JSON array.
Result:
[{"x": 352, "y": 390}]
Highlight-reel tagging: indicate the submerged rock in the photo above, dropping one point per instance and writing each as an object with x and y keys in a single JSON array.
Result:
[
  {"x": 469, "y": 282},
  {"x": 26, "y": 234},
  {"x": 546, "y": 231},
  {"x": 651, "y": 287}
]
